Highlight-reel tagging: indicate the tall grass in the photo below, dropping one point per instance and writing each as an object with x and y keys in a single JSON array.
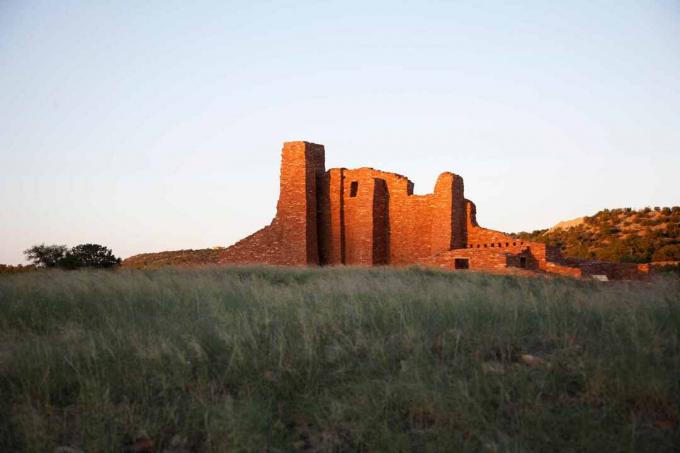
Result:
[{"x": 275, "y": 359}]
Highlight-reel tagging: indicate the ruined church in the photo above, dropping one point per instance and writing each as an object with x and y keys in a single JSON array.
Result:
[{"x": 369, "y": 217}]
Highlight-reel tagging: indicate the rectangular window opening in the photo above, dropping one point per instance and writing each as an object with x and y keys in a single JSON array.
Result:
[
  {"x": 523, "y": 262},
  {"x": 461, "y": 263},
  {"x": 353, "y": 188}
]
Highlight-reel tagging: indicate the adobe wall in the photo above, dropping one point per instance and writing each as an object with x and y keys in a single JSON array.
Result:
[
  {"x": 291, "y": 238},
  {"x": 331, "y": 232},
  {"x": 449, "y": 216},
  {"x": 487, "y": 245},
  {"x": 406, "y": 227},
  {"x": 479, "y": 238},
  {"x": 365, "y": 211},
  {"x": 500, "y": 260},
  {"x": 369, "y": 217},
  {"x": 486, "y": 259}
]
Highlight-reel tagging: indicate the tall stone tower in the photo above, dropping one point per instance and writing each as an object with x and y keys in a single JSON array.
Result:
[
  {"x": 302, "y": 168},
  {"x": 292, "y": 238}
]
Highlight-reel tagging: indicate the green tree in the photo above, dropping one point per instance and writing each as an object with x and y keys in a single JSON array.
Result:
[
  {"x": 89, "y": 255},
  {"x": 46, "y": 255}
]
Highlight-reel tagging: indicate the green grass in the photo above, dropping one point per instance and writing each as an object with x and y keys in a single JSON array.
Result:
[{"x": 274, "y": 359}]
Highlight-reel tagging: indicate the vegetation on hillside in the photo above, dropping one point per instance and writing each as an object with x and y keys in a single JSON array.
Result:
[
  {"x": 10, "y": 269},
  {"x": 282, "y": 359},
  {"x": 188, "y": 257},
  {"x": 619, "y": 235}
]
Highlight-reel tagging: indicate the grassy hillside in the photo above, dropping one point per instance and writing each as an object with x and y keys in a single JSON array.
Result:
[
  {"x": 619, "y": 235},
  {"x": 273, "y": 359},
  {"x": 188, "y": 257}
]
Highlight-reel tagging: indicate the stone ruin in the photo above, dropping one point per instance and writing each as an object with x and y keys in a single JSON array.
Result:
[{"x": 368, "y": 217}]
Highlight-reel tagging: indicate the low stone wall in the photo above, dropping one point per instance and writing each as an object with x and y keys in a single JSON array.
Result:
[
  {"x": 614, "y": 271},
  {"x": 485, "y": 259},
  {"x": 560, "y": 269}
]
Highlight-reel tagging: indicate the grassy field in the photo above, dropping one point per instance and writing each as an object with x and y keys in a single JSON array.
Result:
[{"x": 271, "y": 359}]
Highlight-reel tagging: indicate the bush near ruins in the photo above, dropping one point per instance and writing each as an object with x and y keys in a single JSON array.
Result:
[
  {"x": 46, "y": 255},
  {"x": 281, "y": 359},
  {"x": 89, "y": 255},
  {"x": 83, "y": 255}
]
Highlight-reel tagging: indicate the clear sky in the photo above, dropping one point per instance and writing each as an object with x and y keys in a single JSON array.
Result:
[{"x": 149, "y": 126}]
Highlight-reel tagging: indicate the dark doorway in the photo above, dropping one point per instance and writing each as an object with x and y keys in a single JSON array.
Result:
[
  {"x": 523, "y": 262},
  {"x": 461, "y": 263}
]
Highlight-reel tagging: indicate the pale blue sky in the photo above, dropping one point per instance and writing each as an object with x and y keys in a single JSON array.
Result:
[{"x": 149, "y": 126}]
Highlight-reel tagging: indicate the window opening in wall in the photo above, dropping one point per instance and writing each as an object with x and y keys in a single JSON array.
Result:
[
  {"x": 478, "y": 246},
  {"x": 492, "y": 244},
  {"x": 514, "y": 243},
  {"x": 507, "y": 244},
  {"x": 500, "y": 245},
  {"x": 461, "y": 263},
  {"x": 353, "y": 188},
  {"x": 484, "y": 245},
  {"x": 523, "y": 262}
]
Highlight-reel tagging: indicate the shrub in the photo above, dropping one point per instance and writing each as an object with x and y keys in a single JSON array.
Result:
[
  {"x": 89, "y": 255},
  {"x": 83, "y": 255},
  {"x": 46, "y": 255},
  {"x": 669, "y": 252}
]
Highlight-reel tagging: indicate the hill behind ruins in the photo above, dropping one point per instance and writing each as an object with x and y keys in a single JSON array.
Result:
[{"x": 618, "y": 235}]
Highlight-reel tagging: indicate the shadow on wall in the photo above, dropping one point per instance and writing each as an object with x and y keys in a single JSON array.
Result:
[
  {"x": 381, "y": 223},
  {"x": 524, "y": 260}
]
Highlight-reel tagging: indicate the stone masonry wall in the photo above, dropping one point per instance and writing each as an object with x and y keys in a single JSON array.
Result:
[
  {"x": 291, "y": 238},
  {"x": 370, "y": 217},
  {"x": 417, "y": 225},
  {"x": 359, "y": 198}
]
